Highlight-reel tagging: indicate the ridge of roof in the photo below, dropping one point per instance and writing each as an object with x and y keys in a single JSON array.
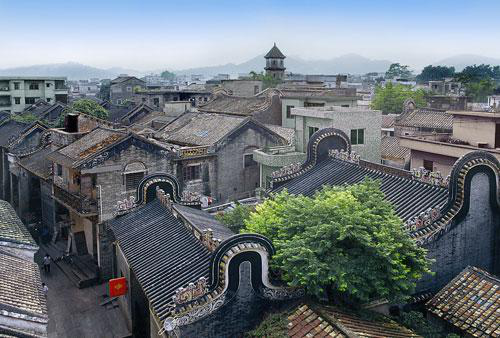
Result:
[{"x": 274, "y": 53}]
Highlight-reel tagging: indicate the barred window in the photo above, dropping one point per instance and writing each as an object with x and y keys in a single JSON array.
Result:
[
  {"x": 132, "y": 180},
  {"x": 191, "y": 172}
]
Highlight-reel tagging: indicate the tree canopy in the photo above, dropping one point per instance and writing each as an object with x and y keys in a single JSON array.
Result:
[
  {"x": 267, "y": 80},
  {"x": 390, "y": 98},
  {"x": 397, "y": 70},
  {"x": 167, "y": 75},
  {"x": 435, "y": 73},
  {"x": 479, "y": 81},
  {"x": 344, "y": 240},
  {"x": 89, "y": 107},
  {"x": 235, "y": 219}
]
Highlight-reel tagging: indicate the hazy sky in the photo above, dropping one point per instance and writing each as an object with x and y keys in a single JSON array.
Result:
[{"x": 152, "y": 34}]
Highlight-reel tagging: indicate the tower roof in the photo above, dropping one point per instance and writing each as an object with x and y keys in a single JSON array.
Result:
[{"x": 274, "y": 53}]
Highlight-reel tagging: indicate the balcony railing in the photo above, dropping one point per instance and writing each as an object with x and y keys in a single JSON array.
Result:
[
  {"x": 4, "y": 89},
  {"x": 81, "y": 204}
]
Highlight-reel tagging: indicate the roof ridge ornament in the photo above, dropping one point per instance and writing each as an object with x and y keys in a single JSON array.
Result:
[
  {"x": 430, "y": 177},
  {"x": 344, "y": 155}
]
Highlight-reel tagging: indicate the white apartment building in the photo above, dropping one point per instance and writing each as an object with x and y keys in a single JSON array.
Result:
[{"x": 18, "y": 92}]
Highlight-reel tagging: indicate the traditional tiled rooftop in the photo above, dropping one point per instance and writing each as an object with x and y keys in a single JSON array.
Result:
[
  {"x": 203, "y": 221},
  {"x": 390, "y": 148},
  {"x": 12, "y": 230},
  {"x": 426, "y": 118},
  {"x": 21, "y": 289},
  {"x": 87, "y": 146},
  {"x": 235, "y": 105},
  {"x": 9, "y": 130},
  {"x": 471, "y": 302},
  {"x": 163, "y": 254},
  {"x": 38, "y": 163},
  {"x": 388, "y": 121},
  {"x": 326, "y": 321},
  {"x": 200, "y": 129},
  {"x": 409, "y": 197}
]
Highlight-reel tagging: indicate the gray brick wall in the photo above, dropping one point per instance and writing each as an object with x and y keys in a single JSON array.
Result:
[{"x": 471, "y": 242}]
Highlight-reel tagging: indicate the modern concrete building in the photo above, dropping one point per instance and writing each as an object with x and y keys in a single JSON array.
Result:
[
  {"x": 18, "y": 92},
  {"x": 362, "y": 124},
  {"x": 472, "y": 131}
]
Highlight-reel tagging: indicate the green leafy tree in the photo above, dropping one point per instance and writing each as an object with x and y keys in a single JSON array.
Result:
[
  {"x": 390, "y": 98},
  {"x": 267, "y": 80},
  {"x": 235, "y": 219},
  {"x": 274, "y": 325},
  {"x": 480, "y": 90},
  {"x": 85, "y": 106},
  {"x": 397, "y": 70},
  {"x": 104, "y": 91},
  {"x": 167, "y": 75},
  {"x": 435, "y": 73},
  {"x": 343, "y": 241}
]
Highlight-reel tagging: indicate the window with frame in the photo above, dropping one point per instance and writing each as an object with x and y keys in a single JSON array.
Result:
[
  {"x": 132, "y": 180},
  {"x": 357, "y": 136},
  {"x": 34, "y": 86},
  {"x": 289, "y": 111},
  {"x": 248, "y": 161},
  {"x": 16, "y": 85},
  {"x": 58, "y": 170},
  {"x": 191, "y": 172},
  {"x": 312, "y": 130},
  {"x": 47, "y": 85},
  {"x": 17, "y": 100},
  {"x": 428, "y": 165},
  {"x": 129, "y": 89},
  {"x": 49, "y": 99},
  {"x": 29, "y": 100}
]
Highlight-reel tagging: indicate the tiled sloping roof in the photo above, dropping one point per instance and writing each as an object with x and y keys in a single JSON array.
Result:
[
  {"x": 203, "y": 220},
  {"x": 388, "y": 120},
  {"x": 38, "y": 163},
  {"x": 323, "y": 321},
  {"x": 471, "y": 302},
  {"x": 163, "y": 254},
  {"x": 318, "y": 92},
  {"x": 408, "y": 197},
  {"x": 275, "y": 53},
  {"x": 236, "y": 105},
  {"x": 426, "y": 118},
  {"x": 91, "y": 144},
  {"x": 21, "y": 288},
  {"x": 287, "y": 133},
  {"x": 390, "y": 148},
  {"x": 11, "y": 228},
  {"x": 121, "y": 79},
  {"x": 200, "y": 129},
  {"x": 4, "y": 116},
  {"x": 9, "y": 130}
]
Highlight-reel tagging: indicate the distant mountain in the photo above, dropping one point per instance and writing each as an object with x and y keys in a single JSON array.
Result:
[
  {"x": 72, "y": 70},
  {"x": 349, "y": 63},
  {"x": 463, "y": 60}
]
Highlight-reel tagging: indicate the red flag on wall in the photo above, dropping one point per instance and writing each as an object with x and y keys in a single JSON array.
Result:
[{"x": 117, "y": 287}]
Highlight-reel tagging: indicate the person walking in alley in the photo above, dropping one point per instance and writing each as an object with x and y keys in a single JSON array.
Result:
[
  {"x": 45, "y": 289},
  {"x": 46, "y": 263}
]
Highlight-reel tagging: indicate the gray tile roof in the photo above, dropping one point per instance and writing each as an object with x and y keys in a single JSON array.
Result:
[
  {"x": 470, "y": 302},
  {"x": 275, "y": 53},
  {"x": 38, "y": 163},
  {"x": 426, "y": 118},
  {"x": 199, "y": 129},
  {"x": 9, "y": 130},
  {"x": 287, "y": 133},
  {"x": 121, "y": 79},
  {"x": 409, "y": 197},
  {"x": 390, "y": 148},
  {"x": 203, "y": 220},
  {"x": 21, "y": 289},
  {"x": 12, "y": 229},
  {"x": 163, "y": 254},
  {"x": 237, "y": 105},
  {"x": 388, "y": 120},
  {"x": 89, "y": 145},
  {"x": 322, "y": 93}
]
